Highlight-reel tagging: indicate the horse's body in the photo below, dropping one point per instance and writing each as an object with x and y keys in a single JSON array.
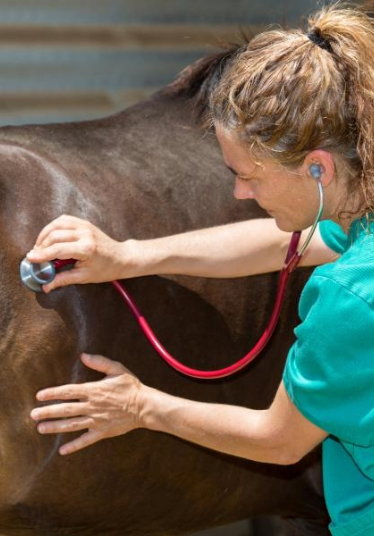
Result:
[{"x": 143, "y": 173}]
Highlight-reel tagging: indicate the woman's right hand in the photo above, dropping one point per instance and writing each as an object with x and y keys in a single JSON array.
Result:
[{"x": 99, "y": 257}]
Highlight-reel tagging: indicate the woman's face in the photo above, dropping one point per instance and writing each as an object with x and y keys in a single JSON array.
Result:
[{"x": 289, "y": 196}]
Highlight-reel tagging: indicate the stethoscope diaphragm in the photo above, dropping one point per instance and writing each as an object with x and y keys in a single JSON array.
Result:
[{"x": 34, "y": 275}]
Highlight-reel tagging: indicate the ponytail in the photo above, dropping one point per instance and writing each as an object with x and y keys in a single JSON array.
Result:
[
  {"x": 290, "y": 92},
  {"x": 350, "y": 33}
]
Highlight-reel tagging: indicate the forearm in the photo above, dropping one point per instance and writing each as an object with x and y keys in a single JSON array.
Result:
[
  {"x": 235, "y": 250},
  {"x": 232, "y": 430}
]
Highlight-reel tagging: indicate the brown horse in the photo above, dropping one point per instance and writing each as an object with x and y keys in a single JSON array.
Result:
[{"x": 145, "y": 172}]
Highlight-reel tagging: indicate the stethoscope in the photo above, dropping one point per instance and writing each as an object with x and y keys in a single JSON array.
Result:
[{"x": 35, "y": 275}]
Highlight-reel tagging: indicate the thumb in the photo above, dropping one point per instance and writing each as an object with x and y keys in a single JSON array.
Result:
[
  {"x": 63, "y": 279},
  {"x": 102, "y": 364}
]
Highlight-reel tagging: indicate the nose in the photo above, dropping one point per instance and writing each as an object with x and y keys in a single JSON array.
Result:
[{"x": 243, "y": 189}]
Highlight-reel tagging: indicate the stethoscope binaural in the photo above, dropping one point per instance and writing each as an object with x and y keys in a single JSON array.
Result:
[{"x": 34, "y": 275}]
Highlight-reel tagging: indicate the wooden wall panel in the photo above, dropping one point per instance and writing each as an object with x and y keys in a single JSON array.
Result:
[{"x": 64, "y": 60}]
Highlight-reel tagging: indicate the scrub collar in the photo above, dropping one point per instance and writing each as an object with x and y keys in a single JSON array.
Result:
[{"x": 361, "y": 227}]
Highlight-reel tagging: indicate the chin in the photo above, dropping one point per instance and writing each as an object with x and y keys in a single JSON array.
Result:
[
  {"x": 290, "y": 226},
  {"x": 285, "y": 226}
]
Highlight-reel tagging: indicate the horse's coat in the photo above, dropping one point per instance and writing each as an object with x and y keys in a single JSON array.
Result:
[{"x": 146, "y": 172}]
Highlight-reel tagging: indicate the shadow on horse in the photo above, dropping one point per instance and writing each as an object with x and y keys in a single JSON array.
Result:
[{"x": 148, "y": 171}]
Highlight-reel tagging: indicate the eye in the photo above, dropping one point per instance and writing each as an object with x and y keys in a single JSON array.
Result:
[{"x": 232, "y": 171}]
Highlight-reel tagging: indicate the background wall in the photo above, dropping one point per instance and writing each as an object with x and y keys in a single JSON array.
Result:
[{"x": 77, "y": 59}]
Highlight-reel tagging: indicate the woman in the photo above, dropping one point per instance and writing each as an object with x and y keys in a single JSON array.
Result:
[{"x": 291, "y": 108}]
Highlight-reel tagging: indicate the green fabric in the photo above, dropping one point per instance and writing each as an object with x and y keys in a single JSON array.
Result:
[
  {"x": 333, "y": 236},
  {"x": 329, "y": 374}
]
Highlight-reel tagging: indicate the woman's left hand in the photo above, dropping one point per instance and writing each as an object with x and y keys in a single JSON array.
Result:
[{"x": 104, "y": 408}]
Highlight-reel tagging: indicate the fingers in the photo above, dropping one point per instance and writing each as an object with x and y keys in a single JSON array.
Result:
[
  {"x": 57, "y": 236},
  {"x": 75, "y": 424},
  {"x": 64, "y": 250},
  {"x": 105, "y": 408},
  {"x": 72, "y": 425},
  {"x": 68, "y": 237},
  {"x": 89, "y": 438},
  {"x": 78, "y": 391},
  {"x": 64, "y": 222},
  {"x": 63, "y": 238},
  {"x": 58, "y": 411},
  {"x": 62, "y": 392},
  {"x": 75, "y": 276},
  {"x": 103, "y": 364}
]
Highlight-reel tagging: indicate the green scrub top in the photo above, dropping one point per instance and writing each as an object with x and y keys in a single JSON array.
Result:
[{"x": 329, "y": 373}]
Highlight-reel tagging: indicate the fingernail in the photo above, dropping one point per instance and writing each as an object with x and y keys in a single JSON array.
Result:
[
  {"x": 31, "y": 253},
  {"x": 41, "y": 428}
]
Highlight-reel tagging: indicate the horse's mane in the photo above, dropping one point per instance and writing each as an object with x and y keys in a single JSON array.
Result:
[{"x": 197, "y": 81}]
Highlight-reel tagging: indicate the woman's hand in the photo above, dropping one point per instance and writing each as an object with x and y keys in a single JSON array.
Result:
[
  {"x": 105, "y": 408},
  {"x": 99, "y": 257}
]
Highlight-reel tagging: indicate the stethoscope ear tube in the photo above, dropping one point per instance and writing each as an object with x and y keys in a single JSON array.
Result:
[{"x": 318, "y": 217}]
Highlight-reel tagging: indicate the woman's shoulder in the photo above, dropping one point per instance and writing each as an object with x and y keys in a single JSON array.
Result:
[
  {"x": 333, "y": 236},
  {"x": 353, "y": 272}
]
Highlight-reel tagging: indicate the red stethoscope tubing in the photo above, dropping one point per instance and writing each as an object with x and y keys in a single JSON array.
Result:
[{"x": 291, "y": 261}]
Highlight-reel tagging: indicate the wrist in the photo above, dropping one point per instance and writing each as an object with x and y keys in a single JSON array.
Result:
[
  {"x": 140, "y": 258},
  {"x": 131, "y": 259},
  {"x": 151, "y": 404}
]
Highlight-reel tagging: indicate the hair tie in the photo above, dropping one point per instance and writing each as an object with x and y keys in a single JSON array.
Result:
[{"x": 319, "y": 41}]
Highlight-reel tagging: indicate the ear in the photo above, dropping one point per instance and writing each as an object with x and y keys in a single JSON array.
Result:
[{"x": 325, "y": 160}]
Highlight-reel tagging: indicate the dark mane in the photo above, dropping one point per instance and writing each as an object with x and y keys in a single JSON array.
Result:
[{"x": 197, "y": 81}]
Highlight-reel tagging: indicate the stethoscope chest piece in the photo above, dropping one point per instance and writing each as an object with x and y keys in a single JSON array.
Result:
[{"x": 34, "y": 275}]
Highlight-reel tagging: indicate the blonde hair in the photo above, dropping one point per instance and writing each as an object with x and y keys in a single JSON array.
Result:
[{"x": 285, "y": 95}]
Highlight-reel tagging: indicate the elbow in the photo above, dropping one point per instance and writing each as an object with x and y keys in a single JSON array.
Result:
[
  {"x": 285, "y": 454},
  {"x": 288, "y": 457}
]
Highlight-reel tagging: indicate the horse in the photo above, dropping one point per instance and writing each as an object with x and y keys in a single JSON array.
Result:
[{"x": 147, "y": 171}]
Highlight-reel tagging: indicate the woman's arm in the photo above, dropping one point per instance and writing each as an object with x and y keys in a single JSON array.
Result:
[
  {"x": 280, "y": 434},
  {"x": 234, "y": 250},
  {"x": 120, "y": 403}
]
